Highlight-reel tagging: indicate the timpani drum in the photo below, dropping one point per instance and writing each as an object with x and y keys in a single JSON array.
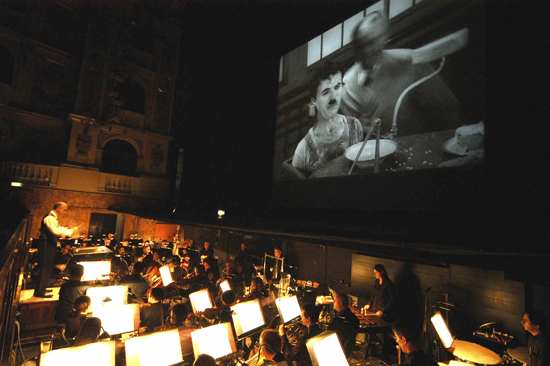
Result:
[
  {"x": 520, "y": 354},
  {"x": 475, "y": 353}
]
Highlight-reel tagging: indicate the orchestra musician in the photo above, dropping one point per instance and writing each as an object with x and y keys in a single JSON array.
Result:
[
  {"x": 69, "y": 292},
  {"x": 408, "y": 341},
  {"x": 207, "y": 251},
  {"x": 538, "y": 342},
  {"x": 270, "y": 348},
  {"x": 344, "y": 323},
  {"x": 297, "y": 350},
  {"x": 147, "y": 256},
  {"x": 137, "y": 284},
  {"x": 382, "y": 300},
  {"x": 64, "y": 260},
  {"x": 152, "y": 316}
]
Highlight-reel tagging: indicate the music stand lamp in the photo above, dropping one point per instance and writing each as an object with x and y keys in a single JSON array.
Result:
[
  {"x": 326, "y": 350},
  {"x": 159, "y": 348},
  {"x": 94, "y": 354},
  {"x": 215, "y": 340}
]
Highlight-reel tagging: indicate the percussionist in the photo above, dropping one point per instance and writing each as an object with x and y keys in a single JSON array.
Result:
[{"x": 538, "y": 343}]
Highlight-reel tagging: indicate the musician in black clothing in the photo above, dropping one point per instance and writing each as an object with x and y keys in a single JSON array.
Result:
[
  {"x": 345, "y": 323},
  {"x": 69, "y": 292},
  {"x": 298, "y": 352},
  {"x": 64, "y": 260},
  {"x": 382, "y": 300},
  {"x": 538, "y": 343},
  {"x": 50, "y": 232},
  {"x": 408, "y": 339},
  {"x": 153, "y": 316}
]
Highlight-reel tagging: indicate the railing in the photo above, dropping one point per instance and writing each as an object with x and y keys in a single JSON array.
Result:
[
  {"x": 35, "y": 174},
  {"x": 118, "y": 183},
  {"x": 12, "y": 261},
  {"x": 63, "y": 177}
]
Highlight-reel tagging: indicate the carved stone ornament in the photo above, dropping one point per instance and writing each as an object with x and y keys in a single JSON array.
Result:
[
  {"x": 83, "y": 142},
  {"x": 157, "y": 156}
]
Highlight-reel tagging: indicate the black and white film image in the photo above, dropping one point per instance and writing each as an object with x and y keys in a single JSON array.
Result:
[{"x": 402, "y": 93}]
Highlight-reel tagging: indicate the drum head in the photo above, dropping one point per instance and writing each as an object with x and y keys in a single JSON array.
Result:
[
  {"x": 519, "y": 354},
  {"x": 475, "y": 353}
]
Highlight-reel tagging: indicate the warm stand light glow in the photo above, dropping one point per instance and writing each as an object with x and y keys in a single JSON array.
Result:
[
  {"x": 119, "y": 319},
  {"x": 108, "y": 296},
  {"x": 215, "y": 340},
  {"x": 442, "y": 330},
  {"x": 247, "y": 316},
  {"x": 325, "y": 350},
  {"x": 94, "y": 354},
  {"x": 98, "y": 270},
  {"x": 200, "y": 300},
  {"x": 225, "y": 286},
  {"x": 161, "y": 348},
  {"x": 165, "y": 275},
  {"x": 288, "y": 308}
]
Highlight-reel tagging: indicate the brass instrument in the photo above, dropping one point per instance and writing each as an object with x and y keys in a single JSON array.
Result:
[{"x": 296, "y": 333}]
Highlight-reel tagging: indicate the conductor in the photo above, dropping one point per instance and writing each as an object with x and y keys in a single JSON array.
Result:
[{"x": 50, "y": 231}]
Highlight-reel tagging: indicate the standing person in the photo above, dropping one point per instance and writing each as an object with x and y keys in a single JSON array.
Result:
[
  {"x": 332, "y": 133},
  {"x": 408, "y": 338},
  {"x": 538, "y": 343},
  {"x": 382, "y": 300},
  {"x": 50, "y": 231},
  {"x": 375, "y": 82}
]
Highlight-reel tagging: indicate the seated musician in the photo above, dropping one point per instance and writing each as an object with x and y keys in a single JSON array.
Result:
[
  {"x": 152, "y": 316},
  {"x": 69, "y": 292},
  {"x": 147, "y": 255},
  {"x": 137, "y": 284},
  {"x": 270, "y": 348},
  {"x": 177, "y": 318},
  {"x": 64, "y": 260},
  {"x": 207, "y": 251},
  {"x": 257, "y": 290},
  {"x": 297, "y": 351},
  {"x": 223, "y": 311},
  {"x": 89, "y": 332},
  {"x": 78, "y": 316},
  {"x": 408, "y": 340},
  {"x": 344, "y": 323},
  {"x": 538, "y": 343},
  {"x": 204, "y": 360},
  {"x": 176, "y": 271}
]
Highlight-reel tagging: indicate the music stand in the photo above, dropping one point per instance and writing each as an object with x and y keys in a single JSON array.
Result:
[
  {"x": 118, "y": 319},
  {"x": 165, "y": 275},
  {"x": 225, "y": 286},
  {"x": 160, "y": 348},
  {"x": 462, "y": 349},
  {"x": 215, "y": 340},
  {"x": 94, "y": 354},
  {"x": 288, "y": 308},
  {"x": 96, "y": 270},
  {"x": 200, "y": 300},
  {"x": 248, "y": 318},
  {"x": 108, "y": 296},
  {"x": 326, "y": 350}
]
